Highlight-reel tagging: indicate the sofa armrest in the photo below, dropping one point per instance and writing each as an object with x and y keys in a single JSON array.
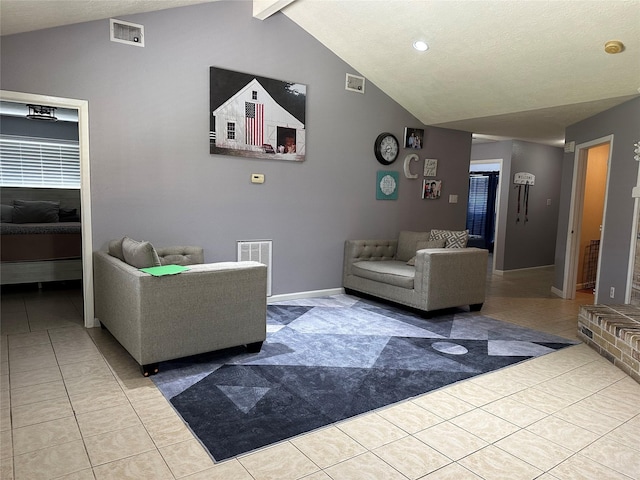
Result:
[
  {"x": 451, "y": 276},
  {"x": 357, "y": 250}
]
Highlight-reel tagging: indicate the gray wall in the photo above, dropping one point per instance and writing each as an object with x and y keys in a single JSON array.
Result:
[
  {"x": 623, "y": 122},
  {"x": 152, "y": 177},
  {"x": 532, "y": 243}
]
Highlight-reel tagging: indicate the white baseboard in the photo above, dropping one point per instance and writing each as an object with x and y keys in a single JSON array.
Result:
[
  {"x": 503, "y": 272},
  {"x": 310, "y": 294},
  {"x": 557, "y": 292}
]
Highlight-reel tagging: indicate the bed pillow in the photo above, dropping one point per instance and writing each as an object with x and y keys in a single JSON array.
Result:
[
  {"x": 69, "y": 215},
  {"x": 27, "y": 211},
  {"x": 139, "y": 254},
  {"x": 407, "y": 243},
  {"x": 455, "y": 239},
  {"x": 6, "y": 213},
  {"x": 427, "y": 244}
]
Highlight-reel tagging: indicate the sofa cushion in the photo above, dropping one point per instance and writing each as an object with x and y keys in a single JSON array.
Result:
[
  {"x": 408, "y": 243},
  {"x": 454, "y": 239},
  {"x": 7, "y": 213},
  {"x": 181, "y": 255},
  {"x": 427, "y": 244},
  {"x": 27, "y": 211},
  {"x": 139, "y": 254},
  {"x": 391, "y": 272}
]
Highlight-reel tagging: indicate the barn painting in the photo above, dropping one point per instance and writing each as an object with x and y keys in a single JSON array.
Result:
[{"x": 256, "y": 117}]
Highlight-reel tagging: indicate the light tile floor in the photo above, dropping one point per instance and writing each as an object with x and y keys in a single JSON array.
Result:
[{"x": 74, "y": 406}]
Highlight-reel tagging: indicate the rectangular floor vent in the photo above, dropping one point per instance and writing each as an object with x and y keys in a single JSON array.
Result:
[
  {"x": 257, "y": 251},
  {"x": 126, "y": 32}
]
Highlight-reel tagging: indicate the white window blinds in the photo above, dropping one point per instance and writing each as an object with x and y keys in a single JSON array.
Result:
[{"x": 39, "y": 162}]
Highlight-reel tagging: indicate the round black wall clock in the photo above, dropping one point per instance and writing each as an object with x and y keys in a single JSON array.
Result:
[{"x": 386, "y": 148}]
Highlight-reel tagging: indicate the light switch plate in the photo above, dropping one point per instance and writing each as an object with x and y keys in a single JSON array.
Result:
[
  {"x": 257, "y": 178},
  {"x": 453, "y": 198}
]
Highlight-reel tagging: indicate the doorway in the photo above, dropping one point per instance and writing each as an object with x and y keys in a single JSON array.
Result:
[
  {"x": 587, "y": 216},
  {"x": 82, "y": 107}
]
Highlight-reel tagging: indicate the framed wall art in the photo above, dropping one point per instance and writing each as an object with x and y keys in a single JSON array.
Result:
[
  {"x": 430, "y": 167},
  {"x": 431, "y": 188},
  {"x": 387, "y": 183},
  {"x": 413, "y": 137},
  {"x": 256, "y": 117}
]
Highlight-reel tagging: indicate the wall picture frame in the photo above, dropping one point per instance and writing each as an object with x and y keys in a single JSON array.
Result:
[
  {"x": 413, "y": 137},
  {"x": 387, "y": 183},
  {"x": 431, "y": 189},
  {"x": 430, "y": 167},
  {"x": 256, "y": 117}
]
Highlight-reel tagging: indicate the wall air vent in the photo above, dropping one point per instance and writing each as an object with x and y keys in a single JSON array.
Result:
[
  {"x": 257, "y": 251},
  {"x": 126, "y": 32}
]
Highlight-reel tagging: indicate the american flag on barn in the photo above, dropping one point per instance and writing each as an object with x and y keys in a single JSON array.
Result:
[{"x": 254, "y": 123}]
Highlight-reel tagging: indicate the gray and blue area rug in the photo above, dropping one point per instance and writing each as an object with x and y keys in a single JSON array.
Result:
[{"x": 328, "y": 359}]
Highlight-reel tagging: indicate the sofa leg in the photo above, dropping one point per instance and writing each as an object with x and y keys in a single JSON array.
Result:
[
  {"x": 476, "y": 307},
  {"x": 254, "y": 347},
  {"x": 149, "y": 369}
]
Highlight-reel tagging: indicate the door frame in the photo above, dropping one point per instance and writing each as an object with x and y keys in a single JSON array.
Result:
[
  {"x": 498, "y": 245},
  {"x": 575, "y": 216},
  {"x": 82, "y": 106}
]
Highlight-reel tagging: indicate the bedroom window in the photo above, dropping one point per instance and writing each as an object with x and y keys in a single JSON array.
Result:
[{"x": 39, "y": 162}]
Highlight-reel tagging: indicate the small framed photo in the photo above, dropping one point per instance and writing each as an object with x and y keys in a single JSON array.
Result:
[
  {"x": 413, "y": 137},
  {"x": 430, "y": 167},
  {"x": 431, "y": 188}
]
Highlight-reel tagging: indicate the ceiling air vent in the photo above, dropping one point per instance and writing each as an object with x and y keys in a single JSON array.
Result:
[{"x": 127, "y": 32}]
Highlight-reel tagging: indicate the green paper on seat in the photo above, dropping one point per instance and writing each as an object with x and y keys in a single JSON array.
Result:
[{"x": 164, "y": 270}]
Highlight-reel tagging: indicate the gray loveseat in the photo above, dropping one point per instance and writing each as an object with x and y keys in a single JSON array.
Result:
[
  {"x": 411, "y": 272},
  {"x": 157, "y": 318}
]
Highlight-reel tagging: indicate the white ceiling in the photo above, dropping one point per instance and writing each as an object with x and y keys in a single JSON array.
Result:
[{"x": 520, "y": 69}]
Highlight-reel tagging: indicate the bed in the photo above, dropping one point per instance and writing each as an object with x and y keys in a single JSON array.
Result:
[{"x": 40, "y": 241}]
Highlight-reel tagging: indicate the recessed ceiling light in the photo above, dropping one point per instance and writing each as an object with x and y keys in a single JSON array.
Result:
[{"x": 420, "y": 46}]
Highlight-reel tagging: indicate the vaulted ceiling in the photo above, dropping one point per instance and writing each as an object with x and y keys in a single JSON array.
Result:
[{"x": 521, "y": 69}]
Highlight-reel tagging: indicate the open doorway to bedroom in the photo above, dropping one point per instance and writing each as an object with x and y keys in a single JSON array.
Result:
[{"x": 27, "y": 161}]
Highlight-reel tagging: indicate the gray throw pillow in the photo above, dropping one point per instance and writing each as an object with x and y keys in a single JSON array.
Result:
[
  {"x": 407, "y": 243},
  {"x": 7, "y": 213},
  {"x": 27, "y": 211},
  {"x": 139, "y": 254},
  {"x": 427, "y": 244},
  {"x": 115, "y": 249}
]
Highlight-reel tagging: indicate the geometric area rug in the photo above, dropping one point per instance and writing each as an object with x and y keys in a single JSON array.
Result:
[{"x": 331, "y": 358}]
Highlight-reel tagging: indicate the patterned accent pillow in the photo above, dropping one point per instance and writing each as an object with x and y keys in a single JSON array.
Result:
[
  {"x": 455, "y": 239},
  {"x": 428, "y": 244}
]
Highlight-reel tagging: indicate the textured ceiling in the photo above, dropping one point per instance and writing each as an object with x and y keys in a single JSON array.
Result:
[{"x": 499, "y": 68}]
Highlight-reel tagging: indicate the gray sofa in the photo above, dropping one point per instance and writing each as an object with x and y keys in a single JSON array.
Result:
[
  {"x": 411, "y": 272},
  {"x": 157, "y": 318}
]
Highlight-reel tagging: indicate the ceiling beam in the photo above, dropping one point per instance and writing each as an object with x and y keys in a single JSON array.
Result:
[{"x": 263, "y": 9}]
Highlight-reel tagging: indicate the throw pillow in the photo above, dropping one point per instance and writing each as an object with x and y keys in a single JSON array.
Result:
[
  {"x": 427, "y": 244},
  {"x": 6, "y": 213},
  {"x": 139, "y": 254},
  {"x": 454, "y": 239},
  {"x": 69, "y": 215},
  {"x": 27, "y": 211},
  {"x": 115, "y": 249},
  {"x": 408, "y": 243}
]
